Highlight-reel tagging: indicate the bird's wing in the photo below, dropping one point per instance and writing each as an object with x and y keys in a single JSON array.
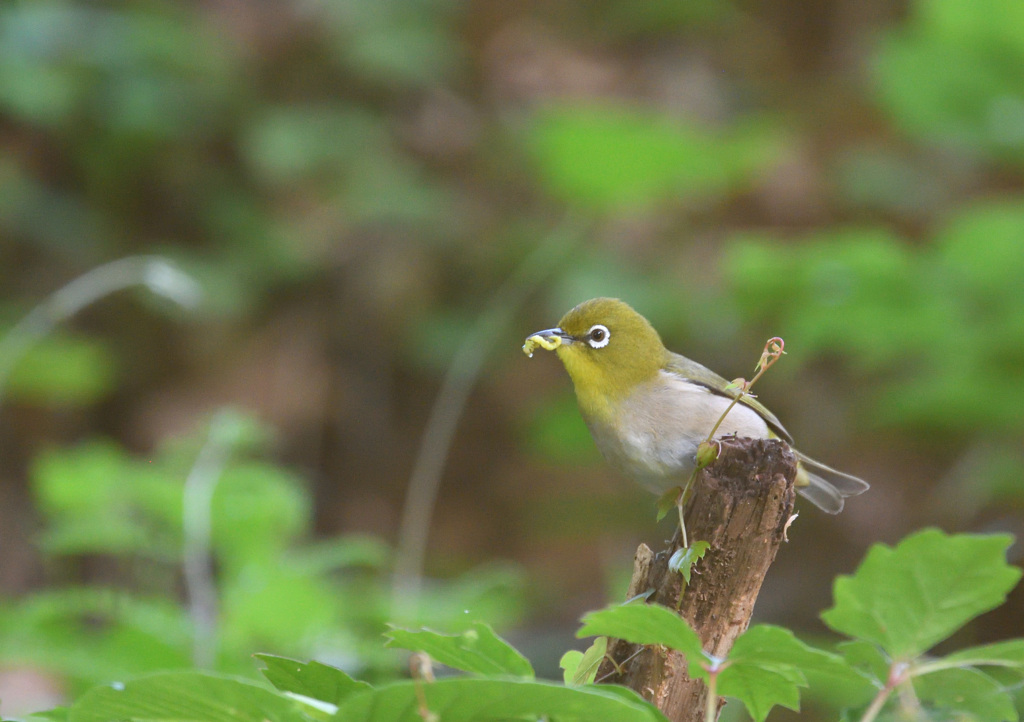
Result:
[{"x": 703, "y": 376}]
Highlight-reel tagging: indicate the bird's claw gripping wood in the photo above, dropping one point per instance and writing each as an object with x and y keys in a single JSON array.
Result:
[{"x": 546, "y": 342}]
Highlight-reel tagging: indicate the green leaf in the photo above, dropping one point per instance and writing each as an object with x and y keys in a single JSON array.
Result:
[
  {"x": 570, "y": 664},
  {"x": 312, "y": 679},
  {"x": 471, "y": 699},
  {"x": 684, "y": 558},
  {"x": 847, "y": 685},
  {"x": 967, "y": 691},
  {"x": 767, "y": 665},
  {"x": 581, "y": 667},
  {"x": 908, "y": 598},
  {"x": 667, "y": 501},
  {"x": 648, "y": 624},
  {"x": 57, "y": 714},
  {"x": 766, "y": 645},
  {"x": 761, "y": 689},
  {"x": 177, "y": 696},
  {"x": 92, "y": 635},
  {"x": 478, "y": 650},
  {"x": 1003, "y": 654},
  {"x": 866, "y": 657}
]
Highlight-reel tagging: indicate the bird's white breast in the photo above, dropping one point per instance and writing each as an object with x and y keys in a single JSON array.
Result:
[{"x": 658, "y": 427}]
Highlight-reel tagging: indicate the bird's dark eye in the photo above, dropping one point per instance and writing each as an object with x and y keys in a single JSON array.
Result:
[{"x": 598, "y": 336}]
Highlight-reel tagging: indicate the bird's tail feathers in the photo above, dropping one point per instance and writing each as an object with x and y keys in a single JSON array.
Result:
[{"x": 824, "y": 486}]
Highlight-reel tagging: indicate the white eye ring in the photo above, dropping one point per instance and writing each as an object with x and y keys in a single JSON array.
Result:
[{"x": 598, "y": 336}]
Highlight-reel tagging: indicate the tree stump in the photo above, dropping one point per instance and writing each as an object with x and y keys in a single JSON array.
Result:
[{"x": 742, "y": 504}]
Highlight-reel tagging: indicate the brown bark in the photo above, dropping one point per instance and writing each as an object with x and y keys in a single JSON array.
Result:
[{"x": 741, "y": 506}]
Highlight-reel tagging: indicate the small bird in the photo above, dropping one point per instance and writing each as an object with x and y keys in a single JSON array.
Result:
[{"x": 648, "y": 409}]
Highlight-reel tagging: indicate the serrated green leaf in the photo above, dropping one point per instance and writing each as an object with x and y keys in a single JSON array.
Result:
[
  {"x": 310, "y": 679},
  {"x": 683, "y": 559},
  {"x": 908, "y": 598},
  {"x": 177, "y": 696},
  {"x": 470, "y": 699},
  {"x": 761, "y": 689},
  {"x": 767, "y": 665},
  {"x": 581, "y": 667},
  {"x": 478, "y": 650},
  {"x": 970, "y": 692},
  {"x": 648, "y": 624}
]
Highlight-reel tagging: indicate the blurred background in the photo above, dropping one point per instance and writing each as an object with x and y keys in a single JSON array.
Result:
[{"x": 246, "y": 247}]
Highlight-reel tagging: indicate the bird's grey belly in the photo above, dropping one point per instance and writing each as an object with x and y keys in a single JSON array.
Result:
[
  {"x": 657, "y": 431},
  {"x": 652, "y": 459}
]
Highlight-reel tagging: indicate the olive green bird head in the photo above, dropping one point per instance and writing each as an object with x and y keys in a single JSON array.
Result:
[{"x": 607, "y": 348}]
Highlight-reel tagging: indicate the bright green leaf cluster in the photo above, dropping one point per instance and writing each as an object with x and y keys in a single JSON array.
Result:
[
  {"x": 766, "y": 666},
  {"x": 899, "y": 603},
  {"x": 902, "y": 601}
]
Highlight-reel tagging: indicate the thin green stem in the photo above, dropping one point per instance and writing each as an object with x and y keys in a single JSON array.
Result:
[
  {"x": 940, "y": 665},
  {"x": 197, "y": 525},
  {"x": 773, "y": 351},
  {"x": 682, "y": 521},
  {"x": 876, "y": 704},
  {"x": 735, "y": 400},
  {"x": 899, "y": 673},
  {"x": 711, "y": 703}
]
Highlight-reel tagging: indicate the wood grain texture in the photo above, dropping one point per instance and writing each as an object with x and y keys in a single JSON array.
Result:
[{"x": 741, "y": 506}]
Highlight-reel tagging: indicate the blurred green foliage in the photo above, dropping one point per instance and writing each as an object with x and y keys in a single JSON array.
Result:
[
  {"x": 976, "y": 102},
  {"x": 374, "y": 170},
  {"x": 896, "y": 607},
  {"x": 944, "y": 325},
  {"x": 64, "y": 369},
  {"x": 608, "y": 157},
  {"x": 276, "y": 590}
]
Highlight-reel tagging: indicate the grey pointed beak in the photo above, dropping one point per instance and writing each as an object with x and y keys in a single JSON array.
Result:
[
  {"x": 552, "y": 332},
  {"x": 549, "y": 339}
]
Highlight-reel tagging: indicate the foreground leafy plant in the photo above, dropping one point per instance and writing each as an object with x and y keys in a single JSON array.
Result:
[
  {"x": 900, "y": 603},
  {"x": 903, "y": 601},
  {"x": 254, "y": 580},
  {"x": 765, "y": 667}
]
